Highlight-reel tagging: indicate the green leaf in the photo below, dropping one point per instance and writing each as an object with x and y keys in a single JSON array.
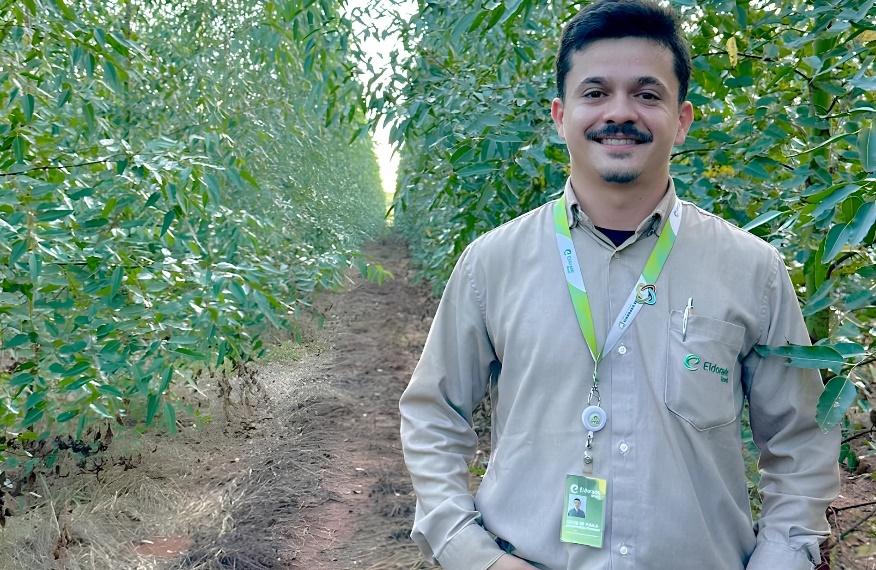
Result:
[
  {"x": 859, "y": 300},
  {"x": 66, "y": 416},
  {"x": 73, "y": 384},
  {"x": 165, "y": 380},
  {"x": 18, "y": 249},
  {"x": 475, "y": 170},
  {"x": 867, "y": 147},
  {"x": 170, "y": 417},
  {"x": 21, "y": 379},
  {"x": 28, "y": 104},
  {"x": 17, "y": 340},
  {"x": 836, "y": 240},
  {"x": 63, "y": 97},
  {"x": 110, "y": 390},
  {"x": 860, "y": 225},
  {"x": 761, "y": 219},
  {"x": 820, "y": 299},
  {"x": 168, "y": 219},
  {"x": 191, "y": 353},
  {"x": 848, "y": 457},
  {"x": 35, "y": 265},
  {"x": 151, "y": 407},
  {"x": 51, "y": 215},
  {"x": 511, "y": 9},
  {"x": 833, "y": 197},
  {"x": 33, "y": 416},
  {"x": 101, "y": 411},
  {"x": 849, "y": 349},
  {"x": 804, "y": 356},
  {"x": 18, "y": 148},
  {"x": 111, "y": 76},
  {"x": 116, "y": 281},
  {"x": 73, "y": 347},
  {"x": 838, "y": 395},
  {"x": 76, "y": 369},
  {"x": 212, "y": 184},
  {"x": 822, "y": 144}
]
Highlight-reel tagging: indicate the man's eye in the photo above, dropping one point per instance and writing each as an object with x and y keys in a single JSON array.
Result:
[
  {"x": 649, "y": 96},
  {"x": 593, "y": 94}
]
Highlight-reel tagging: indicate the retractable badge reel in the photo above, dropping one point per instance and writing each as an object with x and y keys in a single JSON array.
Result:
[{"x": 593, "y": 418}]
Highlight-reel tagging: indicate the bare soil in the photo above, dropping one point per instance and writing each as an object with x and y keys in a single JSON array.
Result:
[{"x": 303, "y": 470}]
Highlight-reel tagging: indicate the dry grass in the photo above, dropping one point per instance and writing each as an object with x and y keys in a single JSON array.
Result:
[
  {"x": 229, "y": 502},
  {"x": 87, "y": 525}
]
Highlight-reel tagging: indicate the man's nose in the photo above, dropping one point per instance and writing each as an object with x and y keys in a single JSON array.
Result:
[{"x": 620, "y": 110}]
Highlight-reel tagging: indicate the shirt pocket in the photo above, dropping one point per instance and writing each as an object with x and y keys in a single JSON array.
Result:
[{"x": 702, "y": 384}]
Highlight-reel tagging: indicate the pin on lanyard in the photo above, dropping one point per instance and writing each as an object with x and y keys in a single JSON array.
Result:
[{"x": 644, "y": 292}]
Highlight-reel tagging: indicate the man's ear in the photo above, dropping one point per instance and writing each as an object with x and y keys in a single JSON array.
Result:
[
  {"x": 685, "y": 119},
  {"x": 557, "y": 111}
]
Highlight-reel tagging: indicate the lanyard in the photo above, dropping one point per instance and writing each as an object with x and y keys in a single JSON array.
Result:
[{"x": 643, "y": 293}]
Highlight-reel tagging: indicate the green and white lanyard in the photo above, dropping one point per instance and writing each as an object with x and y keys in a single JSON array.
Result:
[{"x": 644, "y": 293}]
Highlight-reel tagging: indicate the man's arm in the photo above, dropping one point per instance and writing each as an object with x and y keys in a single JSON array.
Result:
[
  {"x": 436, "y": 432},
  {"x": 798, "y": 462}
]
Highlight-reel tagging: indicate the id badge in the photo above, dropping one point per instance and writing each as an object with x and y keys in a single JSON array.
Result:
[{"x": 584, "y": 510}]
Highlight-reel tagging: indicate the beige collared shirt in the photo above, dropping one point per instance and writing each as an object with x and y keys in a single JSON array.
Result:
[{"x": 671, "y": 450}]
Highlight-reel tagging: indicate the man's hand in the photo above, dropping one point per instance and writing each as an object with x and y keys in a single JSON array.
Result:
[{"x": 508, "y": 562}]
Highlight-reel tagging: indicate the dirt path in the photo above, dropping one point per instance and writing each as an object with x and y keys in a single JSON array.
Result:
[
  {"x": 376, "y": 332},
  {"x": 324, "y": 487}
]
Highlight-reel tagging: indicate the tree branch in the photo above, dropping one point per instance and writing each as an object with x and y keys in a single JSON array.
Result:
[
  {"x": 63, "y": 166},
  {"x": 859, "y": 505},
  {"x": 839, "y": 261},
  {"x": 861, "y": 433},
  {"x": 690, "y": 151}
]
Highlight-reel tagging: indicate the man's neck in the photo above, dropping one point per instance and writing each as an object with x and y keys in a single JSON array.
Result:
[{"x": 616, "y": 206}]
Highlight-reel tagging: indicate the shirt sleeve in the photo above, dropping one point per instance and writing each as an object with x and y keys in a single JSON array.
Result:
[
  {"x": 798, "y": 461},
  {"x": 437, "y": 437}
]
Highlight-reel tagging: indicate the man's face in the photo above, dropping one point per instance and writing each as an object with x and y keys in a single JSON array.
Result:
[
  {"x": 577, "y": 503},
  {"x": 621, "y": 117}
]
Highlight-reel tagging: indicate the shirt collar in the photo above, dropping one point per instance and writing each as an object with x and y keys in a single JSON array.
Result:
[{"x": 652, "y": 224}]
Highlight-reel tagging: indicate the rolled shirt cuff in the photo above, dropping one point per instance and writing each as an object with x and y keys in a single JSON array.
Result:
[
  {"x": 769, "y": 555},
  {"x": 472, "y": 548}
]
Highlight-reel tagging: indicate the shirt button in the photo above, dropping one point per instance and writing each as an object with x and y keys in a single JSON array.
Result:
[
  {"x": 624, "y": 550},
  {"x": 624, "y": 447},
  {"x": 621, "y": 350}
]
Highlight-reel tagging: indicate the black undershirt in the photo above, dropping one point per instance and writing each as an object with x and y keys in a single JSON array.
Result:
[{"x": 617, "y": 237}]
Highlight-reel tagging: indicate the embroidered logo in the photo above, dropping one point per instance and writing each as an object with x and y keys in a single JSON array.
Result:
[{"x": 692, "y": 362}]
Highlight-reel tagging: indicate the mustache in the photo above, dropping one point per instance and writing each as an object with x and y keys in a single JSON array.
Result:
[{"x": 627, "y": 130}]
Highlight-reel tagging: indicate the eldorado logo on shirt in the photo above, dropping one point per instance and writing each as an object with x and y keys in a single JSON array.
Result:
[{"x": 692, "y": 363}]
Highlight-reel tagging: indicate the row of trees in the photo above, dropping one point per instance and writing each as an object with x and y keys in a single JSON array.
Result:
[
  {"x": 177, "y": 177},
  {"x": 784, "y": 143}
]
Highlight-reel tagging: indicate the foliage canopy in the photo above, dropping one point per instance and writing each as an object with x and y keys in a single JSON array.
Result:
[{"x": 177, "y": 177}]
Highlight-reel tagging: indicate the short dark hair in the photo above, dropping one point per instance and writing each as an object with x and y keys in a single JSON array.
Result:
[{"x": 612, "y": 19}]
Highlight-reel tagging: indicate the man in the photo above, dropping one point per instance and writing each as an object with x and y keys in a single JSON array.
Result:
[
  {"x": 614, "y": 330},
  {"x": 576, "y": 511}
]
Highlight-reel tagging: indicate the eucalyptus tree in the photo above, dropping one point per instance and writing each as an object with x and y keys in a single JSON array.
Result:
[{"x": 177, "y": 177}]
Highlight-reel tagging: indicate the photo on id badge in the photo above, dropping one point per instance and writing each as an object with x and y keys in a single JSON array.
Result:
[{"x": 584, "y": 514}]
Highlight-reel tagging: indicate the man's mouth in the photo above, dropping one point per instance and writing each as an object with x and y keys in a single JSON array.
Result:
[
  {"x": 617, "y": 142},
  {"x": 622, "y": 136}
]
